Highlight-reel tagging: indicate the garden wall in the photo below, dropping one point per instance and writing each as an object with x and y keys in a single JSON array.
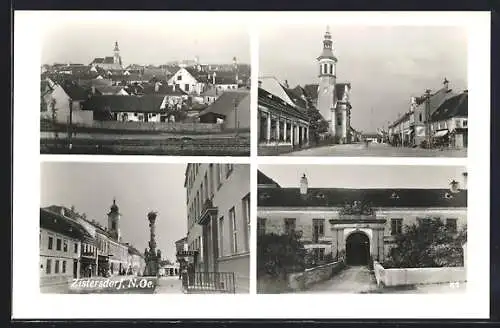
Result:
[
  {"x": 415, "y": 276},
  {"x": 302, "y": 280},
  {"x": 156, "y": 126}
]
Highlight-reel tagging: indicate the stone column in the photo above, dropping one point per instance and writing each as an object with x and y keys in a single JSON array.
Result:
[
  {"x": 297, "y": 134},
  {"x": 268, "y": 128},
  {"x": 292, "y": 126},
  {"x": 303, "y": 135},
  {"x": 277, "y": 130}
]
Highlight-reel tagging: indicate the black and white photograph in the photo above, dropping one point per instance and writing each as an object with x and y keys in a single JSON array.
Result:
[
  {"x": 361, "y": 229},
  {"x": 345, "y": 90},
  {"x": 129, "y": 228},
  {"x": 111, "y": 85}
]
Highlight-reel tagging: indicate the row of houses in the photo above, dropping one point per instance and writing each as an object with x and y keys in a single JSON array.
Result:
[
  {"x": 435, "y": 118},
  {"x": 97, "y": 100},
  {"x": 72, "y": 246}
]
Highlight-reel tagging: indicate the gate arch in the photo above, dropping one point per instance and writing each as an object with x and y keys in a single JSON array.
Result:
[{"x": 357, "y": 248}]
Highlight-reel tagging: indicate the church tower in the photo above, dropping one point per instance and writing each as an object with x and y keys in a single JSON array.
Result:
[
  {"x": 114, "y": 221},
  {"x": 117, "y": 60},
  {"x": 327, "y": 79}
]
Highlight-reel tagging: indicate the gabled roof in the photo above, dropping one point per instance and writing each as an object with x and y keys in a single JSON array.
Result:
[
  {"x": 109, "y": 60},
  {"x": 226, "y": 102},
  {"x": 58, "y": 223},
  {"x": 114, "y": 103},
  {"x": 269, "y": 100},
  {"x": 337, "y": 197},
  {"x": 110, "y": 89},
  {"x": 274, "y": 87},
  {"x": 456, "y": 106},
  {"x": 296, "y": 98}
]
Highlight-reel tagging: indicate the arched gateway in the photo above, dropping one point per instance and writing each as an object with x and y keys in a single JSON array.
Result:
[{"x": 357, "y": 249}]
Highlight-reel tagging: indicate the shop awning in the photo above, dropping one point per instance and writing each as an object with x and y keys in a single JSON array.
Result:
[{"x": 440, "y": 133}]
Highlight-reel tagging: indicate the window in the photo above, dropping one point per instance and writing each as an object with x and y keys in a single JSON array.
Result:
[
  {"x": 202, "y": 195},
  {"x": 186, "y": 87},
  {"x": 318, "y": 229},
  {"x": 48, "y": 266},
  {"x": 246, "y": 218},
  {"x": 229, "y": 169},
  {"x": 65, "y": 246},
  {"x": 64, "y": 267},
  {"x": 261, "y": 226},
  {"x": 464, "y": 123},
  {"x": 424, "y": 221},
  {"x": 56, "y": 266},
  {"x": 331, "y": 68},
  {"x": 339, "y": 119},
  {"x": 58, "y": 244},
  {"x": 234, "y": 232},
  {"x": 206, "y": 186},
  {"x": 179, "y": 77},
  {"x": 221, "y": 236},
  {"x": 451, "y": 225},
  {"x": 396, "y": 226},
  {"x": 420, "y": 117},
  {"x": 289, "y": 225},
  {"x": 211, "y": 180},
  {"x": 51, "y": 242}
]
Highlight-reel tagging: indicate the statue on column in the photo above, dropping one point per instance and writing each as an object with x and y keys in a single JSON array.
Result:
[{"x": 151, "y": 255}]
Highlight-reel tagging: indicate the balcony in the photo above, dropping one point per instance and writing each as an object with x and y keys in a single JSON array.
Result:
[{"x": 208, "y": 211}]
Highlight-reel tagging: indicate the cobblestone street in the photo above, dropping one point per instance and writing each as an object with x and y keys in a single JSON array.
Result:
[{"x": 377, "y": 150}]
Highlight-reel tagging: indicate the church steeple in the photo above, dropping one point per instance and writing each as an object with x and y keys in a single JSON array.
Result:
[
  {"x": 116, "y": 57},
  {"x": 327, "y": 46},
  {"x": 114, "y": 221}
]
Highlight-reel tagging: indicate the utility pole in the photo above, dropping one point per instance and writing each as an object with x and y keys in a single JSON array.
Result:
[
  {"x": 427, "y": 116},
  {"x": 236, "y": 125}
]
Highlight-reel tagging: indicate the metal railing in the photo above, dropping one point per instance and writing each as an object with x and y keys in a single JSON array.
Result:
[{"x": 216, "y": 282}]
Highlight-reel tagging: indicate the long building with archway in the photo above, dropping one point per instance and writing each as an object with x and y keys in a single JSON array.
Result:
[{"x": 357, "y": 223}]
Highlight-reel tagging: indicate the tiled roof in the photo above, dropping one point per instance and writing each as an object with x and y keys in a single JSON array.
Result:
[
  {"x": 226, "y": 102},
  {"x": 456, "y": 106},
  {"x": 333, "y": 197},
  {"x": 98, "y": 60},
  {"x": 58, "y": 223},
  {"x": 114, "y": 103},
  {"x": 267, "y": 99},
  {"x": 108, "y": 89},
  {"x": 75, "y": 91},
  {"x": 149, "y": 89},
  {"x": 296, "y": 97},
  {"x": 109, "y": 60},
  {"x": 311, "y": 90}
]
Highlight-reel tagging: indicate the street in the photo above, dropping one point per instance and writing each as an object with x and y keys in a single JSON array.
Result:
[
  {"x": 169, "y": 285},
  {"x": 376, "y": 150}
]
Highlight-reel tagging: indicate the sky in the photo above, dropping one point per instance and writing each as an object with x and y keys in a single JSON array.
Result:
[
  {"x": 386, "y": 65},
  {"x": 365, "y": 176},
  {"x": 81, "y": 38},
  {"x": 138, "y": 189}
]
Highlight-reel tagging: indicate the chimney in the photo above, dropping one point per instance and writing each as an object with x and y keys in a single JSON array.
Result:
[
  {"x": 213, "y": 78},
  {"x": 464, "y": 178},
  {"x": 454, "y": 186},
  {"x": 303, "y": 185},
  {"x": 286, "y": 84}
]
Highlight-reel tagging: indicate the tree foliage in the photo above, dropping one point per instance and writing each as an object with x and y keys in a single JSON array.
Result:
[
  {"x": 280, "y": 254},
  {"x": 428, "y": 244}
]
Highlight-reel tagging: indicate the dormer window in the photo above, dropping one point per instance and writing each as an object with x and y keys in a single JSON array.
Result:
[
  {"x": 320, "y": 195},
  {"x": 264, "y": 196},
  {"x": 448, "y": 195},
  {"x": 394, "y": 196}
]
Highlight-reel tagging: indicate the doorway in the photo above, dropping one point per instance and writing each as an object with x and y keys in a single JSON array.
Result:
[{"x": 357, "y": 249}]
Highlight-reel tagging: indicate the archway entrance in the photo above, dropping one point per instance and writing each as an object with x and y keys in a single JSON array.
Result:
[{"x": 357, "y": 249}]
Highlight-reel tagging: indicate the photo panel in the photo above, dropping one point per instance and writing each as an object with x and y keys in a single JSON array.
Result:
[{"x": 128, "y": 228}]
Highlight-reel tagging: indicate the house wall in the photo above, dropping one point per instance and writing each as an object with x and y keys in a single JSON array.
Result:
[
  {"x": 226, "y": 193},
  {"x": 62, "y": 108},
  {"x": 68, "y": 257},
  {"x": 183, "y": 77},
  {"x": 119, "y": 255},
  {"x": 155, "y": 126},
  {"x": 335, "y": 235}
]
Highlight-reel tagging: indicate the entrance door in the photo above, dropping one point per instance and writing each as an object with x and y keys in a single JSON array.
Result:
[
  {"x": 75, "y": 269},
  {"x": 357, "y": 249}
]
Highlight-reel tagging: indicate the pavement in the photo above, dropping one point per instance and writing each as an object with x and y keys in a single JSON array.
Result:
[
  {"x": 354, "y": 279},
  {"x": 376, "y": 150}
]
